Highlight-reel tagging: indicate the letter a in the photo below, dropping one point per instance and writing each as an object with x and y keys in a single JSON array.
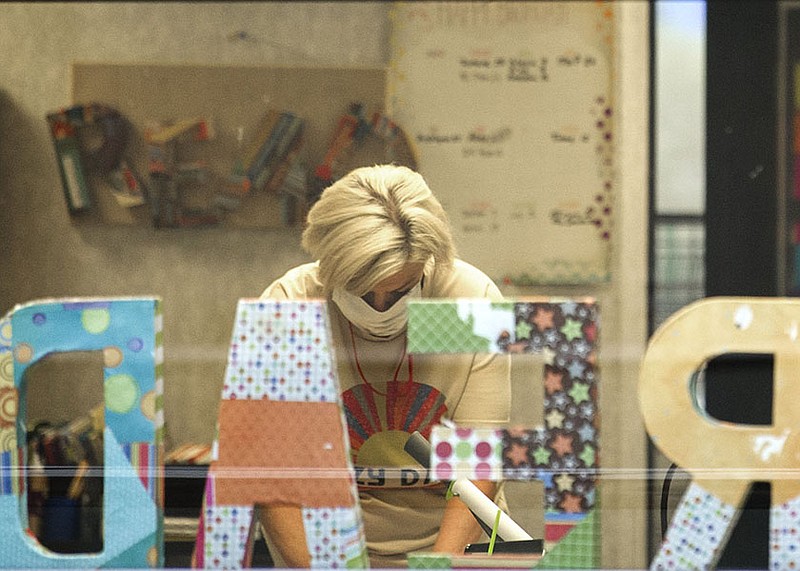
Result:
[{"x": 281, "y": 439}]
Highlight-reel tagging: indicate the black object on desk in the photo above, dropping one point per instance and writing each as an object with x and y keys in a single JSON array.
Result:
[
  {"x": 522, "y": 547},
  {"x": 184, "y": 485},
  {"x": 183, "y": 489}
]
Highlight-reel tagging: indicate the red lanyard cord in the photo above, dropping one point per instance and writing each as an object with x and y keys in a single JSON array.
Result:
[{"x": 396, "y": 371}]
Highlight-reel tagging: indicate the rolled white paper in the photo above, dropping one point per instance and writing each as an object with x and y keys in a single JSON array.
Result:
[{"x": 486, "y": 510}]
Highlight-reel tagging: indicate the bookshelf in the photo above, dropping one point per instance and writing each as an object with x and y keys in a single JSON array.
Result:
[{"x": 233, "y": 102}]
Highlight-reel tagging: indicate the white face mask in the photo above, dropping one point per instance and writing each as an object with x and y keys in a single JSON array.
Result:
[{"x": 378, "y": 323}]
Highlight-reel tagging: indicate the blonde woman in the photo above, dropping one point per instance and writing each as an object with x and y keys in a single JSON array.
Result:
[{"x": 380, "y": 238}]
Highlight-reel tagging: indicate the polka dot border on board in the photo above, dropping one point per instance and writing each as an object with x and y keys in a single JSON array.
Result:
[
  {"x": 466, "y": 452},
  {"x": 333, "y": 536},
  {"x": 785, "y": 535},
  {"x": 226, "y": 532},
  {"x": 280, "y": 351},
  {"x": 696, "y": 532}
]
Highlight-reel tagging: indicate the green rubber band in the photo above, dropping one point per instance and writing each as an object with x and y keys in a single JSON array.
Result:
[
  {"x": 492, "y": 539},
  {"x": 449, "y": 494}
]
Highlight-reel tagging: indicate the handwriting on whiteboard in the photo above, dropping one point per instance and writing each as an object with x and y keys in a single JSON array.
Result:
[
  {"x": 480, "y": 141},
  {"x": 479, "y": 15},
  {"x": 483, "y": 142},
  {"x": 565, "y": 217},
  {"x": 483, "y": 67},
  {"x": 479, "y": 216}
]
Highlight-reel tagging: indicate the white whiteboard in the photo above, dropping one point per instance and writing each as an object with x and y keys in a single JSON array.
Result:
[{"x": 509, "y": 106}]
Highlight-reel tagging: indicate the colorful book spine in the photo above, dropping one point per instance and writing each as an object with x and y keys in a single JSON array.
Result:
[
  {"x": 65, "y": 141},
  {"x": 257, "y": 173},
  {"x": 291, "y": 146},
  {"x": 260, "y": 139}
]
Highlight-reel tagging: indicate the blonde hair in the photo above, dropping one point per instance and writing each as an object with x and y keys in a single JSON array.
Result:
[{"x": 373, "y": 221}]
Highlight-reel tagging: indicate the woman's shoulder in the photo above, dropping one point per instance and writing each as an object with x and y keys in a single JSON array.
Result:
[
  {"x": 300, "y": 282},
  {"x": 463, "y": 280}
]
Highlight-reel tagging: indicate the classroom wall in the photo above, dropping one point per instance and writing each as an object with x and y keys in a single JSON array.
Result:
[{"x": 201, "y": 273}]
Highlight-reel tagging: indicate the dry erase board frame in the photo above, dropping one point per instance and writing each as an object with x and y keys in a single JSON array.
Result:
[
  {"x": 234, "y": 99},
  {"x": 510, "y": 108}
]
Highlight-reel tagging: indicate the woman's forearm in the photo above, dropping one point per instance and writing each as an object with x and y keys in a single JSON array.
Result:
[
  {"x": 283, "y": 524},
  {"x": 459, "y": 527}
]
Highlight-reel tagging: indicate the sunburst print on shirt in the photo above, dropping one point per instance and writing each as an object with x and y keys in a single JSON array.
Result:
[{"x": 379, "y": 425}]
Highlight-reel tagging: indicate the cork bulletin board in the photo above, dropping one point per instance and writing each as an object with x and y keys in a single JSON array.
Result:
[
  {"x": 509, "y": 105},
  {"x": 234, "y": 100}
]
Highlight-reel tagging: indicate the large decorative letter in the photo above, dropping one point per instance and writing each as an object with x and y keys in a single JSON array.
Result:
[
  {"x": 563, "y": 453},
  {"x": 128, "y": 332},
  {"x": 281, "y": 438},
  {"x": 725, "y": 458}
]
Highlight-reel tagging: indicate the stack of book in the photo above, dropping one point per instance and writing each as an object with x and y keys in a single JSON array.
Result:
[{"x": 267, "y": 160}]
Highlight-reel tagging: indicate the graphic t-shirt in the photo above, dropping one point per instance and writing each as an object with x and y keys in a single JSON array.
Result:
[{"x": 388, "y": 394}]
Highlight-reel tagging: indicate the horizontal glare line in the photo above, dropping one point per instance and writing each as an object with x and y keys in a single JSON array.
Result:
[{"x": 372, "y": 472}]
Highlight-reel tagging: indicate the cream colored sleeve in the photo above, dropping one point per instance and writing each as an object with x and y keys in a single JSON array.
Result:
[
  {"x": 297, "y": 283},
  {"x": 487, "y": 395},
  {"x": 275, "y": 291}
]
